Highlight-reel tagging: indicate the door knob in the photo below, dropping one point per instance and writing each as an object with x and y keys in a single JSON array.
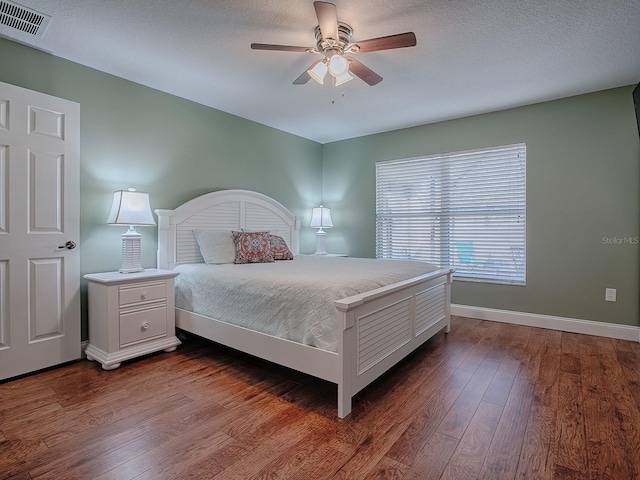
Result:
[{"x": 70, "y": 245}]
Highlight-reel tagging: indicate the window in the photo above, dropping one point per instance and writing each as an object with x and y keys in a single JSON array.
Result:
[{"x": 464, "y": 210}]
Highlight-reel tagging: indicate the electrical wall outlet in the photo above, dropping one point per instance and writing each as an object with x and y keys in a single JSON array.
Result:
[{"x": 610, "y": 294}]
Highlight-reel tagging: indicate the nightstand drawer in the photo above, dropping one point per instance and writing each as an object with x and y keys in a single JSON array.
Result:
[
  {"x": 137, "y": 325},
  {"x": 142, "y": 292}
]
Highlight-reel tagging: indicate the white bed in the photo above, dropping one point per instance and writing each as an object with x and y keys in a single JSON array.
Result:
[{"x": 407, "y": 313}]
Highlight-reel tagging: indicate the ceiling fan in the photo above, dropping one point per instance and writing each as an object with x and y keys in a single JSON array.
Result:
[{"x": 333, "y": 41}]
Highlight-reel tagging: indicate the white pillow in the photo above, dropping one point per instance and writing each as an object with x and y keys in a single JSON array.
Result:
[{"x": 216, "y": 246}]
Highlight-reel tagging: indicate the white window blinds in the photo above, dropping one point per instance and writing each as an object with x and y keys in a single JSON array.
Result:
[{"x": 464, "y": 210}]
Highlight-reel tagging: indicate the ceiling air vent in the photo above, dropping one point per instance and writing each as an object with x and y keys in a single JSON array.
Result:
[{"x": 22, "y": 18}]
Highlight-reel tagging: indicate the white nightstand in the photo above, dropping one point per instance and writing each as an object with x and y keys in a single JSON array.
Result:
[{"x": 130, "y": 314}]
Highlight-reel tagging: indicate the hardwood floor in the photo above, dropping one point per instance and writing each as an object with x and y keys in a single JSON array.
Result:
[{"x": 488, "y": 401}]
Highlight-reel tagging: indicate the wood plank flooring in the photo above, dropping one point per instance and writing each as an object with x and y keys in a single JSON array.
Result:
[{"x": 488, "y": 401}]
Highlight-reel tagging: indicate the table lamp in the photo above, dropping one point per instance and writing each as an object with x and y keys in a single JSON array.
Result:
[
  {"x": 321, "y": 219},
  {"x": 130, "y": 208}
]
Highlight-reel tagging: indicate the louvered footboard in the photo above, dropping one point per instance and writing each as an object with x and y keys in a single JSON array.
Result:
[{"x": 383, "y": 326}]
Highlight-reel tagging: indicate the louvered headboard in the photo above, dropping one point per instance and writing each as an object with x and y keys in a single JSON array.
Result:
[{"x": 222, "y": 210}]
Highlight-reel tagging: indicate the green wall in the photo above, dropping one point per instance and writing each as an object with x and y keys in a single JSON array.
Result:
[
  {"x": 583, "y": 178},
  {"x": 134, "y": 136},
  {"x": 583, "y": 186}
]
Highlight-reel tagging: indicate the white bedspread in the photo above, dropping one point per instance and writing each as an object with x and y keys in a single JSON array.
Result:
[{"x": 289, "y": 299}]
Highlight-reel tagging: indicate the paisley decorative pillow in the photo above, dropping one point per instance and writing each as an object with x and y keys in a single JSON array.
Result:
[
  {"x": 252, "y": 247},
  {"x": 279, "y": 248}
]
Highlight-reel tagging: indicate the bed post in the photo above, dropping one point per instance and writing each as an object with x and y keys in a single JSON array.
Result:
[
  {"x": 295, "y": 235},
  {"x": 346, "y": 350},
  {"x": 447, "y": 300},
  {"x": 163, "y": 238}
]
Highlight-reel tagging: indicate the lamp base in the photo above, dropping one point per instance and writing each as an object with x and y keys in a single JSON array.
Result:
[
  {"x": 131, "y": 270},
  {"x": 321, "y": 248},
  {"x": 131, "y": 247}
]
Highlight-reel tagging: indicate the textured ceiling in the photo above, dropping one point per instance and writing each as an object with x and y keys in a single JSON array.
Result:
[{"x": 471, "y": 57}]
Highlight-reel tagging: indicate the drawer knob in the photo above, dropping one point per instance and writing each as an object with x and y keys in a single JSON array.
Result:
[
  {"x": 144, "y": 295},
  {"x": 145, "y": 325}
]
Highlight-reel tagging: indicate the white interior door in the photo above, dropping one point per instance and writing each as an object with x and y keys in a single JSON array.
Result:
[{"x": 39, "y": 214}]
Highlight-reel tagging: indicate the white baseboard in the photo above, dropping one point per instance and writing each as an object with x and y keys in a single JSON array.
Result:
[{"x": 573, "y": 325}]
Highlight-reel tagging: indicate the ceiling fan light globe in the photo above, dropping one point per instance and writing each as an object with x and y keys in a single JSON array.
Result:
[
  {"x": 342, "y": 79},
  {"x": 318, "y": 72},
  {"x": 338, "y": 65}
]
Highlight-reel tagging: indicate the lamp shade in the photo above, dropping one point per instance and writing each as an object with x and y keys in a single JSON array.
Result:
[
  {"x": 321, "y": 218},
  {"x": 130, "y": 208}
]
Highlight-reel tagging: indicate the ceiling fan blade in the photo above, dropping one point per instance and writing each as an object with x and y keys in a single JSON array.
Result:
[
  {"x": 327, "y": 19},
  {"x": 302, "y": 79},
  {"x": 363, "y": 72},
  {"x": 399, "y": 40},
  {"x": 305, "y": 77},
  {"x": 280, "y": 48}
]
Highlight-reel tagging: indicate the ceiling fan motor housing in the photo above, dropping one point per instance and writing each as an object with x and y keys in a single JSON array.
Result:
[{"x": 344, "y": 33}]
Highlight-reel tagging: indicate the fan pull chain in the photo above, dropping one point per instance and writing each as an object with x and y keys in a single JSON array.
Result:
[{"x": 333, "y": 101}]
